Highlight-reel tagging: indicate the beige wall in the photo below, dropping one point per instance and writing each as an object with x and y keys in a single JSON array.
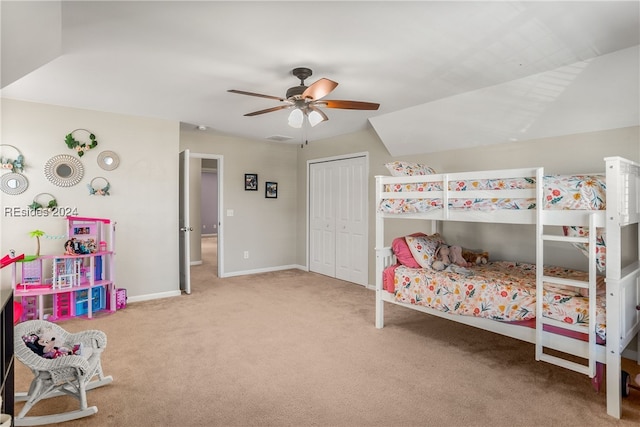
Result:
[
  {"x": 144, "y": 189},
  {"x": 264, "y": 227}
]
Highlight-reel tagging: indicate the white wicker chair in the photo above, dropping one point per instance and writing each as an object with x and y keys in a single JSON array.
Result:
[{"x": 70, "y": 375}]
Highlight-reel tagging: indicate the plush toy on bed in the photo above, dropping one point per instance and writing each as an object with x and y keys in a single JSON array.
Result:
[
  {"x": 446, "y": 255},
  {"x": 475, "y": 257},
  {"x": 441, "y": 258}
]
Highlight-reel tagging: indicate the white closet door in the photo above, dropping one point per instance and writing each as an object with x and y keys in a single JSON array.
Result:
[
  {"x": 351, "y": 220},
  {"x": 338, "y": 219},
  {"x": 322, "y": 242}
]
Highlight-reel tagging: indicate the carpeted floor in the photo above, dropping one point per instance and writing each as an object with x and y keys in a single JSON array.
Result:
[{"x": 293, "y": 348}]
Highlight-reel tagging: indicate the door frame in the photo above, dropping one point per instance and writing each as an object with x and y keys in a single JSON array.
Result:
[
  {"x": 364, "y": 154},
  {"x": 184, "y": 223}
]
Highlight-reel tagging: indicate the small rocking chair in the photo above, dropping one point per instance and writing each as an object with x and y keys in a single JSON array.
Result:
[{"x": 70, "y": 375}]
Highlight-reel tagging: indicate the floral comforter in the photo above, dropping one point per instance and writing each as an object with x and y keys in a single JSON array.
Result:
[
  {"x": 570, "y": 192},
  {"x": 503, "y": 291},
  {"x": 561, "y": 192}
]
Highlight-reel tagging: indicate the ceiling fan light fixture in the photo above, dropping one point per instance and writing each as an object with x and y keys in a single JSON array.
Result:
[
  {"x": 305, "y": 100},
  {"x": 315, "y": 118},
  {"x": 296, "y": 118}
]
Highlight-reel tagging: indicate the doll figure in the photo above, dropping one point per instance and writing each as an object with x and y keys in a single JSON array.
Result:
[{"x": 68, "y": 248}]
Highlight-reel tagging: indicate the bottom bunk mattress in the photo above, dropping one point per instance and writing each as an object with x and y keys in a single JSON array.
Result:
[{"x": 502, "y": 291}]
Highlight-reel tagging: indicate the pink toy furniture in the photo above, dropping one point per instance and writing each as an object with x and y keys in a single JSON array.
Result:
[{"x": 82, "y": 280}]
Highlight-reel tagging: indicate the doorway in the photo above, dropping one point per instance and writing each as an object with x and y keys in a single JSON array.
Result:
[
  {"x": 209, "y": 219},
  {"x": 191, "y": 225}
]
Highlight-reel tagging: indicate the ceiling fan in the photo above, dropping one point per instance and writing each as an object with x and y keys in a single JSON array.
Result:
[{"x": 305, "y": 100}]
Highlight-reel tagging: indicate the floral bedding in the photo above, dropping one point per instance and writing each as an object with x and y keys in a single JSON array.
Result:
[
  {"x": 569, "y": 192},
  {"x": 561, "y": 192},
  {"x": 503, "y": 291}
]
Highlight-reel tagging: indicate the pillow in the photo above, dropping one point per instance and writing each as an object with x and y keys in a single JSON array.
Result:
[
  {"x": 399, "y": 168},
  {"x": 402, "y": 251},
  {"x": 424, "y": 248},
  {"x": 389, "y": 278}
]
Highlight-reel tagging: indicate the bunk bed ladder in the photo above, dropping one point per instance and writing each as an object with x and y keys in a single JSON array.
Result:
[{"x": 542, "y": 280}]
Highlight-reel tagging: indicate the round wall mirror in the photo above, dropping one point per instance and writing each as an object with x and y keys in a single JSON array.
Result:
[
  {"x": 63, "y": 170},
  {"x": 108, "y": 160},
  {"x": 13, "y": 183}
]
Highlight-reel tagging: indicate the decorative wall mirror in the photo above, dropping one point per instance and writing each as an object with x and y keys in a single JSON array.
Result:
[
  {"x": 63, "y": 170},
  {"x": 13, "y": 183},
  {"x": 108, "y": 160}
]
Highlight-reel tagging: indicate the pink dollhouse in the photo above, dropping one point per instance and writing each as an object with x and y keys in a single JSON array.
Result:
[{"x": 82, "y": 278}]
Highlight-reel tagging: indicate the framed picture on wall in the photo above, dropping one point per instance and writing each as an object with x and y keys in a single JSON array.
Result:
[
  {"x": 251, "y": 182},
  {"x": 271, "y": 190}
]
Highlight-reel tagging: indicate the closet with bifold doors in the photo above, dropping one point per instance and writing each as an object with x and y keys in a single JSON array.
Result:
[{"x": 338, "y": 232}]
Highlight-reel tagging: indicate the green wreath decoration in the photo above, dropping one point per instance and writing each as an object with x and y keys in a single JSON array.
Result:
[
  {"x": 99, "y": 191},
  {"x": 53, "y": 203},
  {"x": 16, "y": 165},
  {"x": 80, "y": 147}
]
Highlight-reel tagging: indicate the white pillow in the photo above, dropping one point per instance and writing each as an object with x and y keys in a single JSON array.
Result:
[{"x": 423, "y": 248}]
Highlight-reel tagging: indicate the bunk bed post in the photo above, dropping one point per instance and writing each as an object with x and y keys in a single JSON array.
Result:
[
  {"x": 614, "y": 366},
  {"x": 539, "y": 259},
  {"x": 379, "y": 258}
]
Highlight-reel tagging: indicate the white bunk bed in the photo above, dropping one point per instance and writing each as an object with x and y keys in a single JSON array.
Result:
[{"x": 622, "y": 281}]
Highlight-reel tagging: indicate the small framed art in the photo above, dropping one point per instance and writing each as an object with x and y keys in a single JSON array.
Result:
[
  {"x": 271, "y": 190},
  {"x": 250, "y": 182}
]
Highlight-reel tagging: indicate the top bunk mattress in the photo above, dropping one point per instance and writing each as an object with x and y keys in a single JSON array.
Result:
[{"x": 561, "y": 192}]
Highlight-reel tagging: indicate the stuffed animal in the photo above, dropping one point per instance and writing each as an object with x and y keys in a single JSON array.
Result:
[
  {"x": 32, "y": 342},
  {"x": 47, "y": 341},
  {"x": 44, "y": 345},
  {"x": 456, "y": 256},
  {"x": 441, "y": 258},
  {"x": 475, "y": 257},
  {"x": 446, "y": 255}
]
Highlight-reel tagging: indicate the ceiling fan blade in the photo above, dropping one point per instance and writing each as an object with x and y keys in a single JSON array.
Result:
[
  {"x": 319, "y": 89},
  {"x": 242, "y": 92},
  {"x": 268, "y": 110},
  {"x": 349, "y": 105}
]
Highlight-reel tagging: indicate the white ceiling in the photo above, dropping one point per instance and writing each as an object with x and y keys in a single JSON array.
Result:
[{"x": 447, "y": 74}]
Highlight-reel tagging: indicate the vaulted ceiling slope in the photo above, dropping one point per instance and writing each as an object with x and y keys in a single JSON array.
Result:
[{"x": 447, "y": 74}]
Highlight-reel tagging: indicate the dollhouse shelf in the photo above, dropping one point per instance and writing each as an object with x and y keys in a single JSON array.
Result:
[{"x": 80, "y": 284}]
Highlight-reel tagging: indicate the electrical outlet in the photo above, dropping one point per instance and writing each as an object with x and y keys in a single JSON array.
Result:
[{"x": 246, "y": 254}]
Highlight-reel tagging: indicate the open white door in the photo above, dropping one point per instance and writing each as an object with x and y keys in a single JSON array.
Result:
[{"x": 185, "y": 228}]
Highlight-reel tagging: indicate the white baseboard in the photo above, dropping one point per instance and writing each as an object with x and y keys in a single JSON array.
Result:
[
  {"x": 265, "y": 270},
  {"x": 149, "y": 297},
  {"x": 196, "y": 262}
]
